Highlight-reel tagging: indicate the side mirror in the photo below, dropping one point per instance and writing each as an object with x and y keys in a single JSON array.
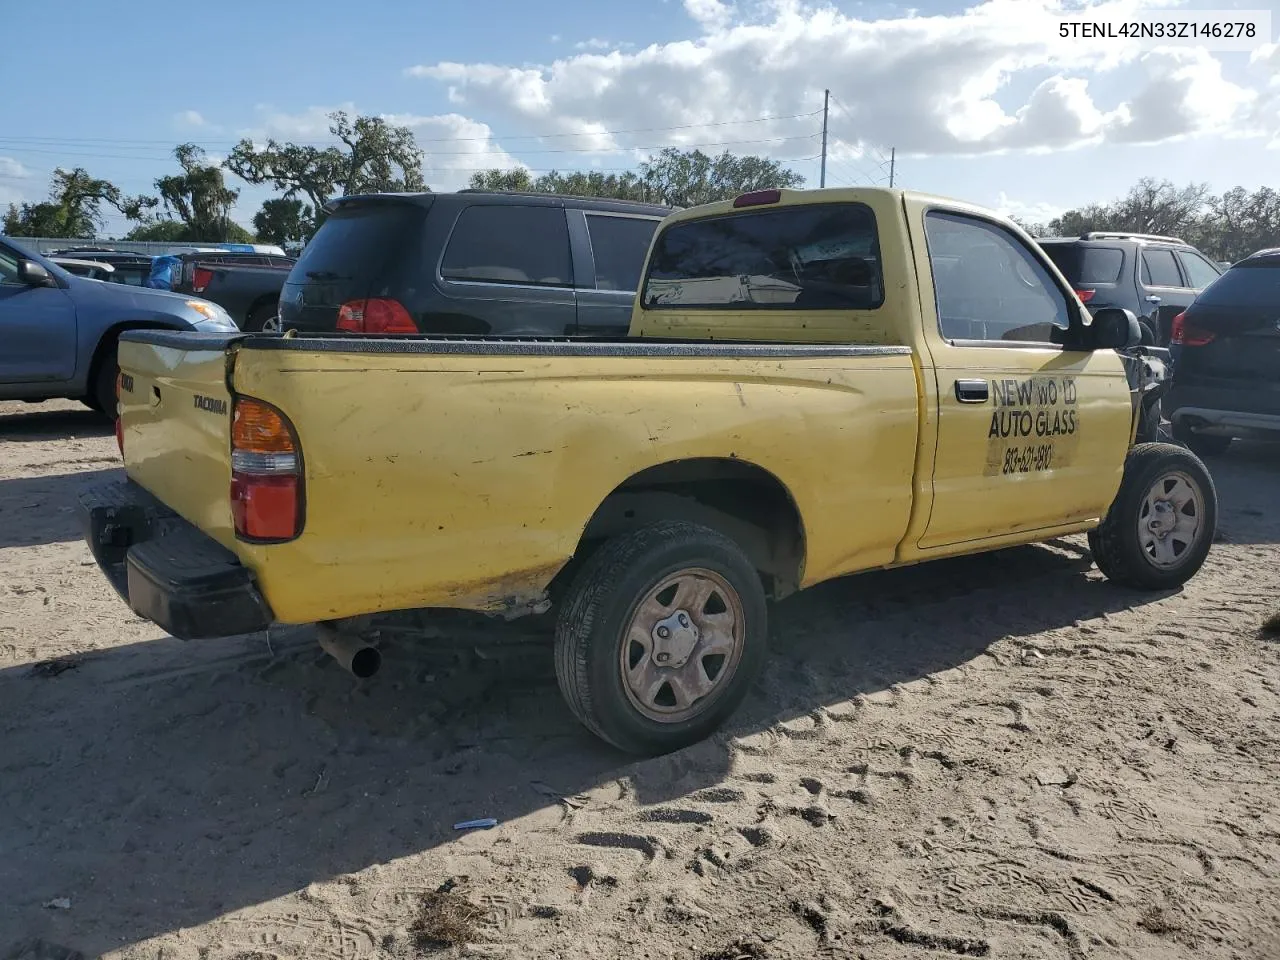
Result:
[
  {"x": 34, "y": 275},
  {"x": 1115, "y": 329}
]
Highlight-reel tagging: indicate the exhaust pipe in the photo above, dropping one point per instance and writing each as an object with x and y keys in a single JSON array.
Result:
[{"x": 350, "y": 650}]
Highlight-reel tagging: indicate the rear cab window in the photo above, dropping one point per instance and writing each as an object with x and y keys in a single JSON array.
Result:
[
  {"x": 619, "y": 244},
  {"x": 508, "y": 243},
  {"x": 823, "y": 256}
]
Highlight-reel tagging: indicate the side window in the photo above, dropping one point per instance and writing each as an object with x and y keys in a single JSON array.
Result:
[
  {"x": 619, "y": 246},
  {"x": 8, "y": 266},
  {"x": 988, "y": 285},
  {"x": 1159, "y": 269},
  {"x": 1199, "y": 271},
  {"x": 510, "y": 244}
]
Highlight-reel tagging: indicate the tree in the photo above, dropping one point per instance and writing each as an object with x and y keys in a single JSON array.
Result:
[
  {"x": 374, "y": 157},
  {"x": 1226, "y": 227},
  {"x": 674, "y": 177},
  {"x": 199, "y": 197},
  {"x": 284, "y": 220},
  {"x": 74, "y": 207},
  {"x": 687, "y": 178}
]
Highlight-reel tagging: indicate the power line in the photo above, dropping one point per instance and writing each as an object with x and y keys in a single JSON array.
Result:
[{"x": 142, "y": 144}]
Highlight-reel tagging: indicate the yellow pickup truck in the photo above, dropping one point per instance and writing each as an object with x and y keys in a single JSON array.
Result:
[{"x": 815, "y": 383}]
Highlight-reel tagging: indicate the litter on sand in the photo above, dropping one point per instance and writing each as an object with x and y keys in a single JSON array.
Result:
[{"x": 484, "y": 823}]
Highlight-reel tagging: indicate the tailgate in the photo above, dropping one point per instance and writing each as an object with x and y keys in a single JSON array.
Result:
[{"x": 175, "y": 414}]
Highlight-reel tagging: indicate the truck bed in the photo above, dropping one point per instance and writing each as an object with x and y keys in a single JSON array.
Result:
[{"x": 461, "y": 472}]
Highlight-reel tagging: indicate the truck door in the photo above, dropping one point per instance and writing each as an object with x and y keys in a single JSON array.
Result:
[
  {"x": 1030, "y": 436},
  {"x": 37, "y": 328}
]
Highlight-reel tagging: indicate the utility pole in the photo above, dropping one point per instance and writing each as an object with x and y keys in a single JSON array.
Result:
[
  {"x": 893, "y": 157},
  {"x": 826, "y": 100}
]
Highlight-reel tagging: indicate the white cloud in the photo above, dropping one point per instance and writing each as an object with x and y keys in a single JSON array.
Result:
[
  {"x": 455, "y": 147},
  {"x": 12, "y": 169},
  {"x": 311, "y": 124},
  {"x": 927, "y": 84},
  {"x": 189, "y": 118},
  {"x": 711, "y": 15},
  {"x": 596, "y": 43},
  {"x": 1027, "y": 212}
]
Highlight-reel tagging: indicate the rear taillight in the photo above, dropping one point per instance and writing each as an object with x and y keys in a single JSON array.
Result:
[
  {"x": 200, "y": 278},
  {"x": 375, "y": 315},
  {"x": 1186, "y": 335},
  {"x": 1085, "y": 295},
  {"x": 266, "y": 474}
]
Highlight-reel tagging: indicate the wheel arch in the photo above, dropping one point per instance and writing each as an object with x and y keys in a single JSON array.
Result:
[
  {"x": 738, "y": 498},
  {"x": 107, "y": 340}
]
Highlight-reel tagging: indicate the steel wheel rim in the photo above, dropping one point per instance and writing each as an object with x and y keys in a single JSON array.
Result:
[
  {"x": 271, "y": 325},
  {"x": 1170, "y": 520},
  {"x": 701, "y": 654}
]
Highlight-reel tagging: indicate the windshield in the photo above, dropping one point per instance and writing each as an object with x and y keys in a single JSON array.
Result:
[{"x": 1245, "y": 285}]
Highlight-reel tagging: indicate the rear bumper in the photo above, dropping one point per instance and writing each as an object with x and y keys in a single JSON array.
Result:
[
  {"x": 166, "y": 569},
  {"x": 1235, "y": 423}
]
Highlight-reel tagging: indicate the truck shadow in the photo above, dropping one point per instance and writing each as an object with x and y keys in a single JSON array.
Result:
[
  {"x": 62, "y": 423},
  {"x": 161, "y": 785},
  {"x": 42, "y": 509},
  {"x": 1244, "y": 476}
]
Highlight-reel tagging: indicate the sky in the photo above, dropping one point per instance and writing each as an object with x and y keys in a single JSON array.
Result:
[{"x": 982, "y": 101}]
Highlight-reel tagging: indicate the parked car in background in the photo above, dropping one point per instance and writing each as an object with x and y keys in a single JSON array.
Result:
[
  {"x": 250, "y": 293},
  {"x": 131, "y": 269},
  {"x": 1154, "y": 277},
  {"x": 1226, "y": 376},
  {"x": 58, "y": 332},
  {"x": 473, "y": 262},
  {"x": 93, "y": 269}
]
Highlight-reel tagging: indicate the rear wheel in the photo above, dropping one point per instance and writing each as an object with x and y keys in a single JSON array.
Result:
[
  {"x": 1158, "y": 531},
  {"x": 1204, "y": 444},
  {"x": 261, "y": 317},
  {"x": 102, "y": 395},
  {"x": 661, "y": 635}
]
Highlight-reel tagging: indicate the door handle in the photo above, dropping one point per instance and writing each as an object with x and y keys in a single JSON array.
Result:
[
  {"x": 1152, "y": 299},
  {"x": 972, "y": 391}
]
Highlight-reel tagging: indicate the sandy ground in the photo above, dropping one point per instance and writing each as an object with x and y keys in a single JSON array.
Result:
[{"x": 1000, "y": 756}]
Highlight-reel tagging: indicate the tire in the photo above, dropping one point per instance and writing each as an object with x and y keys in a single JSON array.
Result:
[
  {"x": 258, "y": 317},
  {"x": 610, "y": 592},
  {"x": 102, "y": 397},
  {"x": 1149, "y": 336},
  {"x": 1203, "y": 444},
  {"x": 1123, "y": 546}
]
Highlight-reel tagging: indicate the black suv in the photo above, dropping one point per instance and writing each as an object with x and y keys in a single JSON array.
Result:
[
  {"x": 1154, "y": 277},
  {"x": 1226, "y": 373},
  {"x": 472, "y": 263}
]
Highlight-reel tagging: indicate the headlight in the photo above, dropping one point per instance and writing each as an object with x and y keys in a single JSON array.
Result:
[
  {"x": 206, "y": 309},
  {"x": 213, "y": 318}
]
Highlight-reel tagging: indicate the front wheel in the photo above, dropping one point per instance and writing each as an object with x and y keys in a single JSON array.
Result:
[
  {"x": 660, "y": 637},
  {"x": 1158, "y": 531}
]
